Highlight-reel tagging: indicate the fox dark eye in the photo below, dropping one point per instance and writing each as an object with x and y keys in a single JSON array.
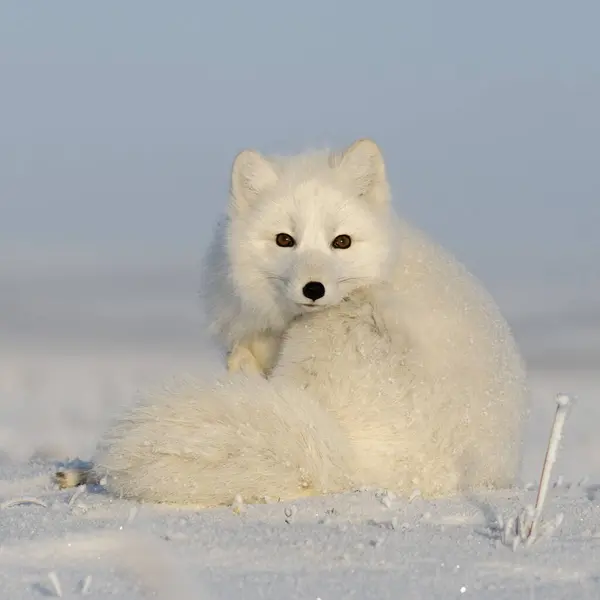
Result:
[
  {"x": 341, "y": 242},
  {"x": 284, "y": 240}
]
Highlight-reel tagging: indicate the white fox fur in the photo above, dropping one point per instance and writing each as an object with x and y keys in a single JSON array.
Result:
[{"x": 403, "y": 376}]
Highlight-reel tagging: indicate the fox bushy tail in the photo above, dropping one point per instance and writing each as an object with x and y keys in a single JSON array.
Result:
[{"x": 201, "y": 444}]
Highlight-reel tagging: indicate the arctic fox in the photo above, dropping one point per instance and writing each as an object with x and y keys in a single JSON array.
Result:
[{"x": 360, "y": 354}]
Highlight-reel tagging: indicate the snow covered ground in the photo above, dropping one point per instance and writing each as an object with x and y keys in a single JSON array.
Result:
[{"x": 74, "y": 348}]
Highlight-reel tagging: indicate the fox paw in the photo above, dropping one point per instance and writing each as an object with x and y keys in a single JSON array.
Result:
[{"x": 241, "y": 360}]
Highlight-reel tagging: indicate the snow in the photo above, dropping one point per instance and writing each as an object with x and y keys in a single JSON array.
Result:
[{"x": 67, "y": 364}]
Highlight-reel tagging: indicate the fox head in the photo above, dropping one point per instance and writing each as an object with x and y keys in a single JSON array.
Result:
[{"x": 305, "y": 231}]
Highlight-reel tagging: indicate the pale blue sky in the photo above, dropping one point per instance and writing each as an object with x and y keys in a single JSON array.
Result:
[{"x": 119, "y": 120}]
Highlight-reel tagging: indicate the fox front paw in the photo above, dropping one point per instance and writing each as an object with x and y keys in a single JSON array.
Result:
[{"x": 241, "y": 360}]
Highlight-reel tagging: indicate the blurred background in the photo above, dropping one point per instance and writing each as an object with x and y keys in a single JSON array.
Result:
[{"x": 119, "y": 122}]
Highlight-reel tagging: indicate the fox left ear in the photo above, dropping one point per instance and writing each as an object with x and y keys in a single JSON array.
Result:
[{"x": 363, "y": 163}]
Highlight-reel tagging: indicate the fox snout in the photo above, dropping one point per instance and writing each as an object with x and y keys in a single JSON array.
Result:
[
  {"x": 312, "y": 280},
  {"x": 314, "y": 291}
]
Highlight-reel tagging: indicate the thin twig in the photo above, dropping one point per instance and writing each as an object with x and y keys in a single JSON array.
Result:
[{"x": 563, "y": 402}]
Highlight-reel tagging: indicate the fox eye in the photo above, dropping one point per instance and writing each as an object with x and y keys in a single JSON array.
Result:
[
  {"x": 285, "y": 240},
  {"x": 342, "y": 242}
]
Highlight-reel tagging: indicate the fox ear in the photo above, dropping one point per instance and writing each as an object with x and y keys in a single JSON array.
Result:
[
  {"x": 363, "y": 163},
  {"x": 251, "y": 174}
]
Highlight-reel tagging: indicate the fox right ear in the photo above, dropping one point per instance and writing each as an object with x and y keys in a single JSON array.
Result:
[{"x": 251, "y": 174}]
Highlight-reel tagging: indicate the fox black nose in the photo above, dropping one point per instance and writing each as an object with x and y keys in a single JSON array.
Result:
[{"x": 314, "y": 290}]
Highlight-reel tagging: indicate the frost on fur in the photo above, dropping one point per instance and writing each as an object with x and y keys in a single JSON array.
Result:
[{"x": 402, "y": 375}]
